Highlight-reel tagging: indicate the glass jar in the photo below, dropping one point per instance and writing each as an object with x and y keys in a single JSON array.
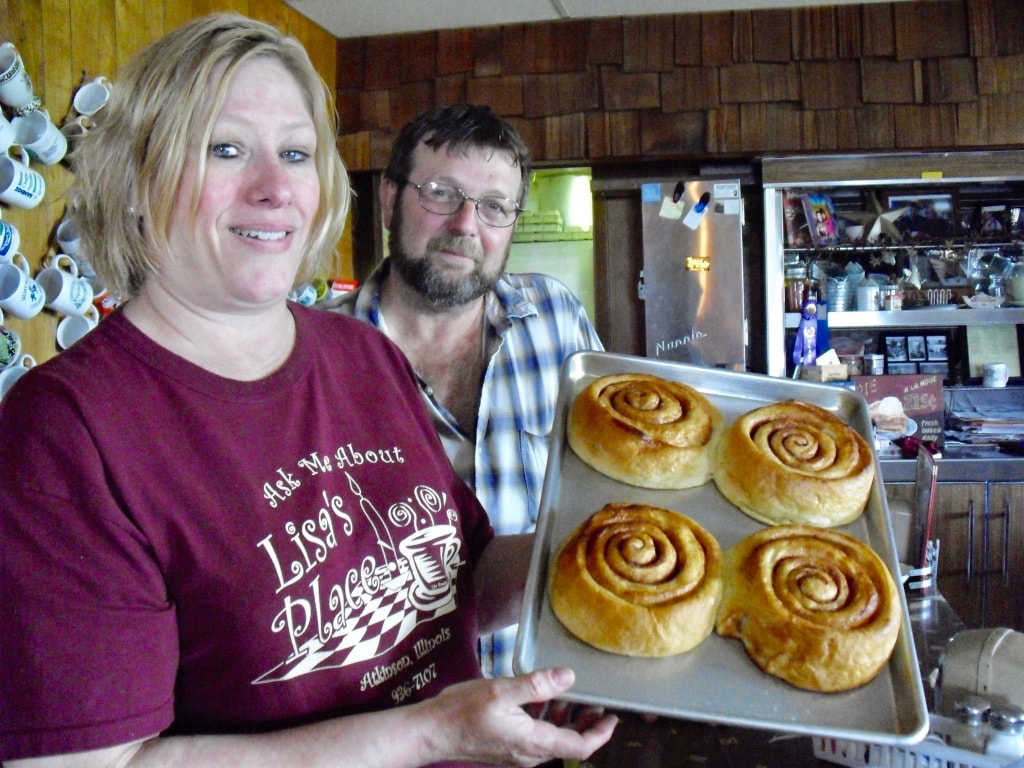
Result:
[
  {"x": 795, "y": 288},
  {"x": 969, "y": 733},
  {"x": 1015, "y": 284},
  {"x": 995, "y": 286},
  {"x": 979, "y": 282}
]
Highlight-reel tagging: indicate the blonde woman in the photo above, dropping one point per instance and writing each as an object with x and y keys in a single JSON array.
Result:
[{"x": 234, "y": 537}]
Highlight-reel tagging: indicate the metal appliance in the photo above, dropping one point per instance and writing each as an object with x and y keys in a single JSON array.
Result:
[
  {"x": 988, "y": 662},
  {"x": 692, "y": 280}
]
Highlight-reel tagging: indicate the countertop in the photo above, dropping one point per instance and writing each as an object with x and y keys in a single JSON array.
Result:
[{"x": 966, "y": 464}]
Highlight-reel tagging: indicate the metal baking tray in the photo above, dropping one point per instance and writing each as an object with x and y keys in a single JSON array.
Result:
[{"x": 715, "y": 682}]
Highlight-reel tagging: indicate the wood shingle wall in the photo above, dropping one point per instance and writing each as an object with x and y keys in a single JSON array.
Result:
[{"x": 936, "y": 74}]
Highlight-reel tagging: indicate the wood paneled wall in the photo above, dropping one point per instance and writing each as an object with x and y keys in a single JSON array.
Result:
[
  {"x": 935, "y": 74},
  {"x": 63, "y": 40}
]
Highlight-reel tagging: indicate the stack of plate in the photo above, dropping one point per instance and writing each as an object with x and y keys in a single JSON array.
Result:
[{"x": 839, "y": 296}]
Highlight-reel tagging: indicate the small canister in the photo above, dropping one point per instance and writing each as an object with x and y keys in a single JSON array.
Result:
[
  {"x": 891, "y": 298},
  {"x": 1006, "y": 724},
  {"x": 874, "y": 365}
]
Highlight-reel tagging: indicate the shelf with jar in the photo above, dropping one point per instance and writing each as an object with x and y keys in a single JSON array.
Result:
[{"x": 890, "y": 242}]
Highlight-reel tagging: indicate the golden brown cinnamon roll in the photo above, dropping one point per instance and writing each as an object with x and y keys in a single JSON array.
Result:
[
  {"x": 795, "y": 463},
  {"x": 638, "y": 581},
  {"x": 813, "y": 606},
  {"x": 645, "y": 431}
]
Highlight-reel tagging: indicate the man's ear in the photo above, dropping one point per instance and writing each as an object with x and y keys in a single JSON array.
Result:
[{"x": 388, "y": 193}]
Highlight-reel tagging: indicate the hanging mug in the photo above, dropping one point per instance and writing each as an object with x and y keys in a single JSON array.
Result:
[
  {"x": 10, "y": 345},
  {"x": 77, "y": 127},
  {"x": 73, "y": 327},
  {"x": 20, "y": 186},
  {"x": 68, "y": 239},
  {"x": 92, "y": 96},
  {"x": 9, "y": 376},
  {"x": 10, "y": 239},
  {"x": 7, "y": 136},
  {"x": 43, "y": 140},
  {"x": 20, "y": 295},
  {"x": 15, "y": 84},
  {"x": 65, "y": 290}
]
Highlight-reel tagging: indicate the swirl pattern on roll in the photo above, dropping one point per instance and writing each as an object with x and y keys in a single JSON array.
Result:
[
  {"x": 811, "y": 446},
  {"x": 795, "y": 463},
  {"x": 645, "y": 430},
  {"x": 665, "y": 411},
  {"x": 815, "y": 607},
  {"x": 638, "y": 580}
]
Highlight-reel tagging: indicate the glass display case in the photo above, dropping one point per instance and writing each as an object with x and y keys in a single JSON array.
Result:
[
  {"x": 915, "y": 256},
  {"x": 940, "y": 235}
]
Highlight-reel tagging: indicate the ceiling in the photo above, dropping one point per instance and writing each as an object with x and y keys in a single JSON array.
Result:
[{"x": 363, "y": 18}]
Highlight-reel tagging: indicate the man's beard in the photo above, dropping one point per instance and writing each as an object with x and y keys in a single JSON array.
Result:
[{"x": 429, "y": 281}]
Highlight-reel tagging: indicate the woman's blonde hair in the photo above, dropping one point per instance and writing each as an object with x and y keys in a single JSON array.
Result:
[{"x": 128, "y": 168}]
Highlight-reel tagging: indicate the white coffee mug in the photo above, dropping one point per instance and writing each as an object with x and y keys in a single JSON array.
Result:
[
  {"x": 10, "y": 345},
  {"x": 10, "y": 240},
  {"x": 20, "y": 186},
  {"x": 66, "y": 291},
  {"x": 68, "y": 239},
  {"x": 994, "y": 375},
  {"x": 20, "y": 295},
  {"x": 867, "y": 297},
  {"x": 9, "y": 376},
  {"x": 15, "y": 84},
  {"x": 43, "y": 140},
  {"x": 73, "y": 327},
  {"x": 77, "y": 127},
  {"x": 85, "y": 268},
  {"x": 304, "y": 294},
  {"x": 6, "y": 133},
  {"x": 92, "y": 96}
]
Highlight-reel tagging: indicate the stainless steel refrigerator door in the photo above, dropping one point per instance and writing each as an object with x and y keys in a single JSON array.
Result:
[{"x": 693, "y": 272}]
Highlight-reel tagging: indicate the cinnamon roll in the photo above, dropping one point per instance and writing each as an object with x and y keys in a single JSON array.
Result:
[
  {"x": 795, "y": 463},
  {"x": 638, "y": 581},
  {"x": 645, "y": 431},
  {"x": 812, "y": 606}
]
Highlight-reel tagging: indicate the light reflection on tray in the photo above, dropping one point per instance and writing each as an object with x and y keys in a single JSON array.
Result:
[{"x": 715, "y": 682}]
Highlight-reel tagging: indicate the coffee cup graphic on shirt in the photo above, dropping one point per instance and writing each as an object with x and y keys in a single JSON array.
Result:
[{"x": 431, "y": 554}]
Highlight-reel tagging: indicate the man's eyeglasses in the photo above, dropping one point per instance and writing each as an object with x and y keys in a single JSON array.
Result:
[{"x": 444, "y": 199}]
